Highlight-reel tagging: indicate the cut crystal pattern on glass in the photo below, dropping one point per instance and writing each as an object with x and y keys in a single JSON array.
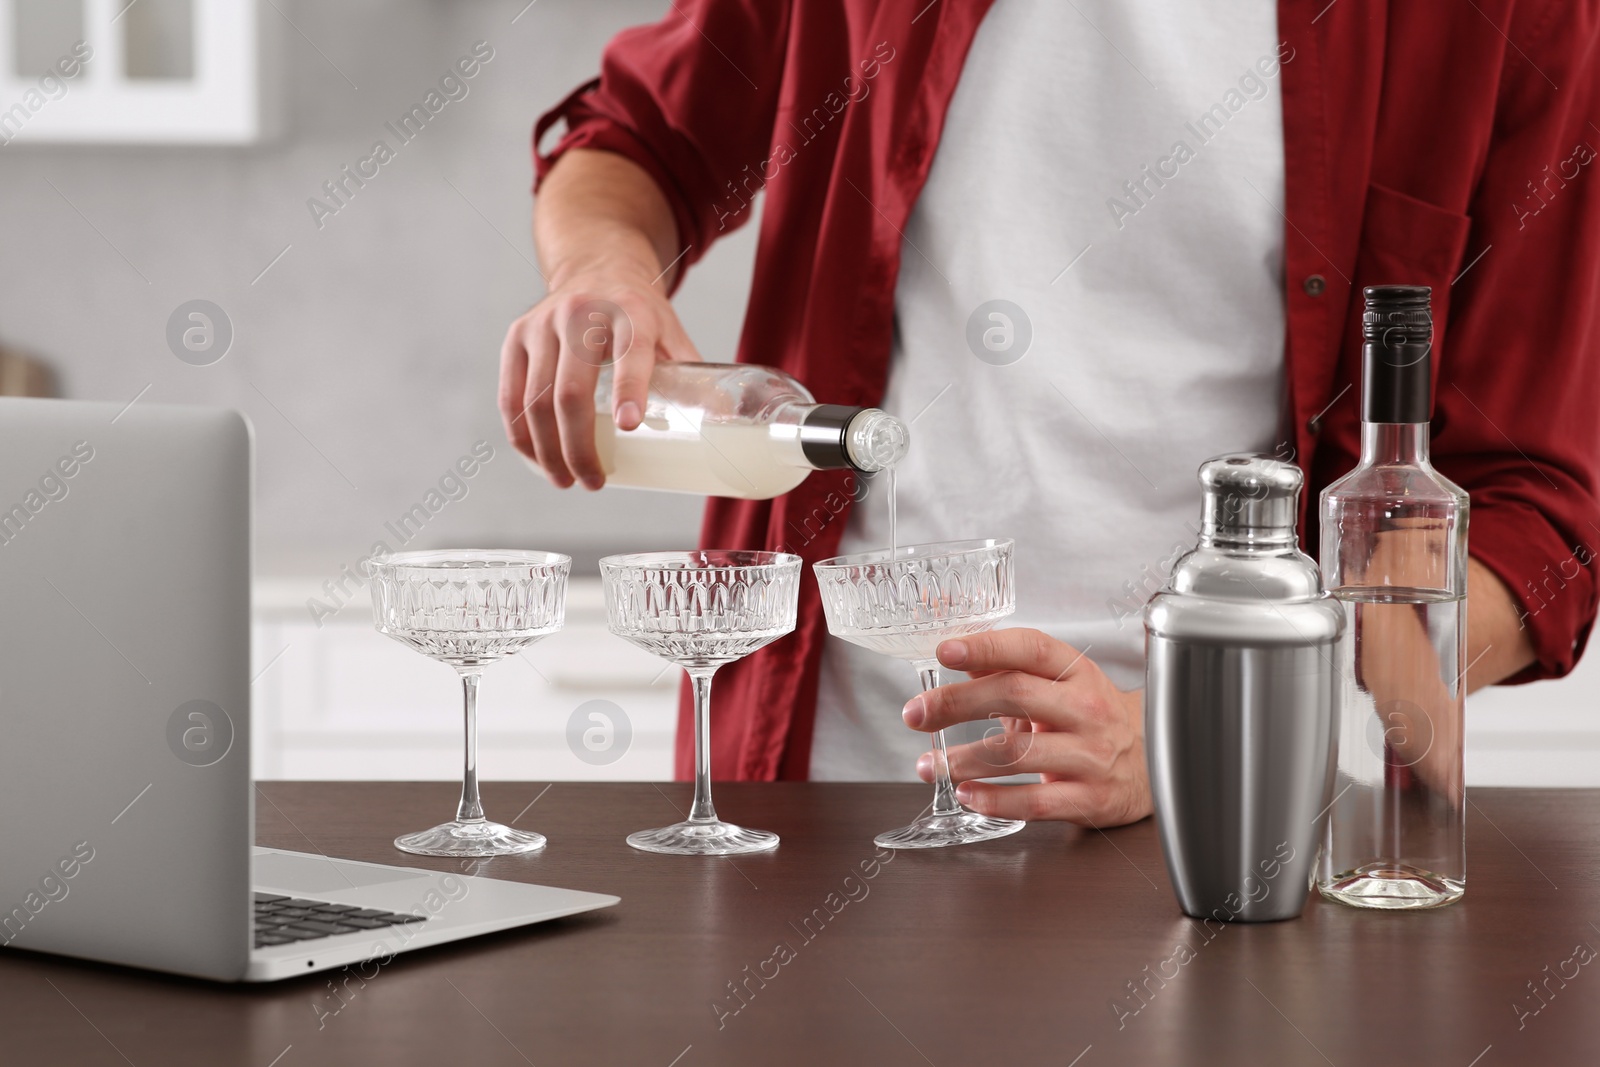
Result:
[
  {"x": 700, "y": 610},
  {"x": 902, "y": 603},
  {"x": 469, "y": 608}
]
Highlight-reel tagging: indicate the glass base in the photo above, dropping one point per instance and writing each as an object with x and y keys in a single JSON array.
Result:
[
  {"x": 703, "y": 839},
  {"x": 1392, "y": 886},
  {"x": 482, "y": 838},
  {"x": 937, "y": 831}
]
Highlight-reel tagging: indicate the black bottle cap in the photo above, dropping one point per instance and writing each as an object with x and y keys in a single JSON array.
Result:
[
  {"x": 1397, "y": 354},
  {"x": 823, "y": 435}
]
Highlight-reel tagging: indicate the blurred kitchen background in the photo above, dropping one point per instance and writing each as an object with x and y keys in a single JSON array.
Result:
[{"x": 176, "y": 165}]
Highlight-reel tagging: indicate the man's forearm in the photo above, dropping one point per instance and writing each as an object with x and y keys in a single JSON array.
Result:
[
  {"x": 602, "y": 209},
  {"x": 1498, "y": 645}
]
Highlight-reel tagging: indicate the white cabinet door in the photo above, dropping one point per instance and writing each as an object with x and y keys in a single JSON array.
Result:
[
  {"x": 149, "y": 72},
  {"x": 340, "y": 700}
]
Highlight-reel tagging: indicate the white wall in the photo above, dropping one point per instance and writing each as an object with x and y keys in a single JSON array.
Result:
[{"x": 367, "y": 355}]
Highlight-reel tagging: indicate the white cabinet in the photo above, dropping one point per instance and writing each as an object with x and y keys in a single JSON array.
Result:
[
  {"x": 343, "y": 701},
  {"x": 145, "y": 72},
  {"x": 1544, "y": 734}
]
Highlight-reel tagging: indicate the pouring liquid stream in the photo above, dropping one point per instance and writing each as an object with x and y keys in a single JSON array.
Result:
[{"x": 894, "y": 533}]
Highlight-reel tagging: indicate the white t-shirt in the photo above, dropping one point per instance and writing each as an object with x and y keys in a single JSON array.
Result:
[{"x": 1115, "y": 171}]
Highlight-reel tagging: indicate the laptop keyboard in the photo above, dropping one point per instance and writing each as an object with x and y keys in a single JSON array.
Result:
[{"x": 284, "y": 920}]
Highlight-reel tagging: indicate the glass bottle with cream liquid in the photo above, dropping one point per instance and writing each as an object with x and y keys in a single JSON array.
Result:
[{"x": 738, "y": 430}]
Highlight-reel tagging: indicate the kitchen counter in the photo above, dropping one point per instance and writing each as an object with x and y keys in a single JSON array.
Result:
[{"x": 1057, "y": 945}]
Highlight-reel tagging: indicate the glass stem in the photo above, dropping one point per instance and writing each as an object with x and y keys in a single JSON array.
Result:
[
  {"x": 471, "y": 808},
  {"x": 944, "y": 792},
  {"x": 702, "y": 810}
]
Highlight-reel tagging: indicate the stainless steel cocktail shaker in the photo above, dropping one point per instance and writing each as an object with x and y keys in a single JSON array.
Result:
[{"x": 1241, "y": 700}]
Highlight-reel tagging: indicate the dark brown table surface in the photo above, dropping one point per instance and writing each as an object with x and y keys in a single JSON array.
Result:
[{"x": 1013, "y": 951}]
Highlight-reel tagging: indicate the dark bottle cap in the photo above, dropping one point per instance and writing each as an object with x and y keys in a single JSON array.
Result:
[
  {"x": 834, "y": 436},
  {"x": 1397, "y": 354},
  {"x": 823, "y": 435}
]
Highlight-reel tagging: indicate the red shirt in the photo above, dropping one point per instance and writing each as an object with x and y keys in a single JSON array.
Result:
[{"x": 1443, "y": 145}]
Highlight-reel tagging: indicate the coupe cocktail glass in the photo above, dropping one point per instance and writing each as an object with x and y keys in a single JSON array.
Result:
[
  {"x": 468, "y": 608},
  {"x": 903, "y": 603},
  {"x": 701, "y": 610}
]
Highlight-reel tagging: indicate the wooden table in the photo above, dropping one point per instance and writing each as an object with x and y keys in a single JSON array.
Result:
[{"x": 1024, "y": 950}]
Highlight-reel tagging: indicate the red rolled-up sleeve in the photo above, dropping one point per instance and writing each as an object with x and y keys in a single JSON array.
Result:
[
  {"x": 1518, "y": 399},
  {"x": 692, "y": 100}
]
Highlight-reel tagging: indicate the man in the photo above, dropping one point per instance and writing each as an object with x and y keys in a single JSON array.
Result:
[{"x": 1083, "y": 247}]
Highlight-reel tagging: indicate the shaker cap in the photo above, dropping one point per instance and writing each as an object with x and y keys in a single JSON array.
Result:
[{"x": 1250, "y": 497}]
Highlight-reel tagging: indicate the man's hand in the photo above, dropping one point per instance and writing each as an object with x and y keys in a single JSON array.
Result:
[
  {"x": 604, "y": 230},
  {"x": 552, "y": 355},
  {"x": 1056, "y": 714}
]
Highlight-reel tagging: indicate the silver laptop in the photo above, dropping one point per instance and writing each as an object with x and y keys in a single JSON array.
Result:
[{"x": 126, "y": 800}]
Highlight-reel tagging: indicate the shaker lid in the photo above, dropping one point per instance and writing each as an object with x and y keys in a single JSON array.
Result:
[
  {"x": 1247, "y": 583},
  {"x": 1250, "y": 497}
]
